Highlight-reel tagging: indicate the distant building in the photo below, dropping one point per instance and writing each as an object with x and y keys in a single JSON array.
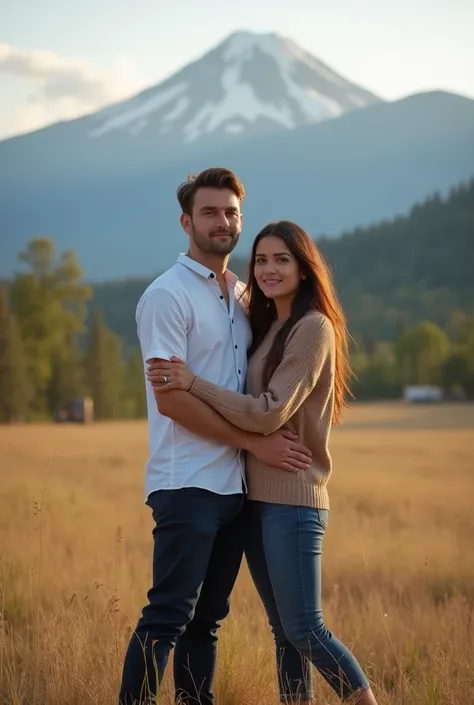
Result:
[
  {"x": 422, "y": 393},
  {"x": 79, "y": 410}
]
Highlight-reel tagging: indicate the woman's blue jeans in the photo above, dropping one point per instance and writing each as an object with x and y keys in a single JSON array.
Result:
[{"x": 283, "y": 551}]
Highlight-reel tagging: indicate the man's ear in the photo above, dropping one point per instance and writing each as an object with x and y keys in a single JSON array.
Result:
[{"x": 185, "y": 221}]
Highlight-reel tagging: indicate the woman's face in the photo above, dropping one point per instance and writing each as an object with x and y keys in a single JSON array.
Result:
[{"x": 276, "y": 270}]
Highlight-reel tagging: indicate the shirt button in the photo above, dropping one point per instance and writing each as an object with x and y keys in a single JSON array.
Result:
[
  {"x": 212, "y": 275},
  {"x": 222, "y": 297},
  {"x": 236, "y": 347},
  {"x": 240, "y": 372}
]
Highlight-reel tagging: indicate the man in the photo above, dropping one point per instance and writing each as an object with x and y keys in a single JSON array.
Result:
[{"x": 195, "y": 478}]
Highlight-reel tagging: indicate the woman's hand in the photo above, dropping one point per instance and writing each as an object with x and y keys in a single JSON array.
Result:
[{"x": 174, "y": 374}]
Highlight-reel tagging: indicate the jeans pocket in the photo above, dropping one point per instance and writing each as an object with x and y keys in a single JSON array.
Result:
[
  {"x": 323, "y": 517},
  {"x": 159, "y": 502}
]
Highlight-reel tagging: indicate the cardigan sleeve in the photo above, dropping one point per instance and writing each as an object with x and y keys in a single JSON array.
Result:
[{"x": 308, "y": 349}]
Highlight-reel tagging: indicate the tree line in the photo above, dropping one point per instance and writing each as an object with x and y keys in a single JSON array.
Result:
[
  {"x": 422, "y": 354},
  {"x": 48, "y": 356},
  {"x": 55, "y": 348}
]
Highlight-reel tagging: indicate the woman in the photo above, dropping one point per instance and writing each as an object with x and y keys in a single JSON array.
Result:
[{"x": 297, "y": 379}]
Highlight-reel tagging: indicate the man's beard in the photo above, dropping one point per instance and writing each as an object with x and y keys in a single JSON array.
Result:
[{"x": 213, "y": 245}]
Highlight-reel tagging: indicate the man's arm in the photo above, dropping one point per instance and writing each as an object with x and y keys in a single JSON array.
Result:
[
  {"x": 162, "y": 326},
  {"x": 162, "y": 330},
  {"x": 279, "y": 450},
  {"x": 196, "y": 416}
]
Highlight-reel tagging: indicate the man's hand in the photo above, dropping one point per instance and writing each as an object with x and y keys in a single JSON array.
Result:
[{"x": 280, "y": 450}]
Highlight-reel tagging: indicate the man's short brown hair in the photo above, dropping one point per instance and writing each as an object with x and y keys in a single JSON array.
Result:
[{"x": 215, "y": 177}]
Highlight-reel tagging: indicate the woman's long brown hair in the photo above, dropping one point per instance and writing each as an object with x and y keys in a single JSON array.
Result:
[{"x": 316, "y": 292}]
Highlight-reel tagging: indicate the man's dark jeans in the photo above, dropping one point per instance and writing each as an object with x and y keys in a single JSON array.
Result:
[{"x": 198, "y": 548}]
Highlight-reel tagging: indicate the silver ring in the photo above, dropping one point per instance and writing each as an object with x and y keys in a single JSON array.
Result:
[{"x": 166, "y": 380}]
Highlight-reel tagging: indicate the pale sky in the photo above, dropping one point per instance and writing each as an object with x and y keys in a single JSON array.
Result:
[{"x": 61, "y": 58}]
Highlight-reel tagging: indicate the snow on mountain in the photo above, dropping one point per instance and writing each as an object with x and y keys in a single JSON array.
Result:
[{"x": 250, "y": 82}]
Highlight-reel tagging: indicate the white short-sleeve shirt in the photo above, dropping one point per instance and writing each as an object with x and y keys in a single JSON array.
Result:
[{"x": 183, "y": 313}]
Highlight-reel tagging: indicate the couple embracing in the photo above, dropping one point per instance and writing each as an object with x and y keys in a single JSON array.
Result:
[{"x": 243, "y": 386}]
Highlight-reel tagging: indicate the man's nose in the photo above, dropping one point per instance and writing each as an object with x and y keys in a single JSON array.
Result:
[{"x": 222, "y": 220}]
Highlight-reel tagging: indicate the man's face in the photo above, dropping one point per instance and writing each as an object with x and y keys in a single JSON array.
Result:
[{"x": 216, "y": 221}]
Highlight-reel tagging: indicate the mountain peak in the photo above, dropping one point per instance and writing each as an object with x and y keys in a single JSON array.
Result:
[
  {"x": 242, "y": 41},
  {"x": 249, "y": 84}
]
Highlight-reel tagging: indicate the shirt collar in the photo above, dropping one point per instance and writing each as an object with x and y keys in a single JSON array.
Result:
[{"x": 190, "y": 263}]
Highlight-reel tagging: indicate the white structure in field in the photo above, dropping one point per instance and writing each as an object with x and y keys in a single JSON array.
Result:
[{"x": 422, "y": 393}]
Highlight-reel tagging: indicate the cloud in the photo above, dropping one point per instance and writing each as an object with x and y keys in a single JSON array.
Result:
[{"x": 64, "y": 88}]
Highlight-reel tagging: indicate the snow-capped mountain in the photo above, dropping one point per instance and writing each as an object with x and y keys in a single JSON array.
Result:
[
  {"x": 105, "y": 184},
  {"x": 249, "y": 83}
]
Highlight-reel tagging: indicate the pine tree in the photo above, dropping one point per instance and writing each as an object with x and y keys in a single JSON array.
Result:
[
  {"x": 49, "y": 301},
  {"x": 104, "y": 370},
  {"x": 14, "y": 387},
  {"x": 67, "y": 374},
  {"x": 134, "y": 387}
]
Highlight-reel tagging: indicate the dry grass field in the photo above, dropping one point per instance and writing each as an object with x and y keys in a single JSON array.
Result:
[{"x": 75, "y": 562}]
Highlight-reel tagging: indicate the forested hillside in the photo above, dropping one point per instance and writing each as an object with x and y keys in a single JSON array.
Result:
[{"x": 392, "y": 274}]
